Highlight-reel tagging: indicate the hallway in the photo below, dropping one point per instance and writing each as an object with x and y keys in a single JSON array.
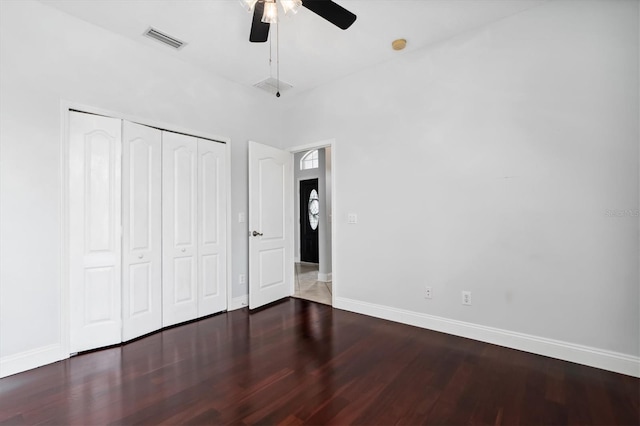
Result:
[{"x": 307, "y": 285}]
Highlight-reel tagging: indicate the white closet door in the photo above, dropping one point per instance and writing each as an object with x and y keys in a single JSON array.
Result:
[
  {"x": 94, "y": 239},
  {"x": 179, "y": 224},
  {"x": 212, "y": 211},
  {"x": 141, "y": 224}
]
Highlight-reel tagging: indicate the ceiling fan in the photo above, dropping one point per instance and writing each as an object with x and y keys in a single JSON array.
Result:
[{"x": 265, "y": 13}]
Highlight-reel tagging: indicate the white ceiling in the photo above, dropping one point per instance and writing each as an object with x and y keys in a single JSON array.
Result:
[{"x": 312, "y": 50}]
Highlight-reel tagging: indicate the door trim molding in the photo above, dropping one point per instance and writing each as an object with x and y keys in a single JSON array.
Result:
[
  {"x": 229, "y": 226},
  {"x": 65, "y": 106},
  {"x": 326, "y": 143}
]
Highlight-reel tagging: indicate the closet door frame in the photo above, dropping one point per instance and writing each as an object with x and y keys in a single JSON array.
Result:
[{"x": 65, "y": 292}]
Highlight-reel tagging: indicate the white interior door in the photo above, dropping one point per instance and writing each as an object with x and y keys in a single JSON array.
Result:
[
  {"x": 94, "y": 239},
  {"x": 179, "y": 224},
  {"x": 212, "y": 228},
  {"x": 270, "y": 224},
  {"x": 141, "y": 236}
]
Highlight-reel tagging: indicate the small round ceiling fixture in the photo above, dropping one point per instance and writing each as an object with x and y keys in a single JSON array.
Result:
[{"x": 399, "y": 44}]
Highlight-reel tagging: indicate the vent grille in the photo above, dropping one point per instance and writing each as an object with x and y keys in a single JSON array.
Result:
[
  {"x": 164, "y": 38},
  {"x": 271, "y": 85}
]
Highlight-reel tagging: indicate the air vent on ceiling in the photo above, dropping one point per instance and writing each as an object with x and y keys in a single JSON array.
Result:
[
  {"x": 271, "y": 85},
  {"x": 164, "y": 38}
]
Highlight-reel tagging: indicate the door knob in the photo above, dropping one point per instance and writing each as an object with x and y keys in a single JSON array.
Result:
[
  {"x": 256, "y": 234},
  {"x": 184, "y": 249},
  {"x": 140, "y": 256}
]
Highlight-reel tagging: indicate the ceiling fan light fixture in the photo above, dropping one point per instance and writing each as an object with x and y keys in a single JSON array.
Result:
[
  {"x": 270, "y": 15},
  {"x": 248, "y": 4},
  {"x": 265, "y": 13},
  {"x": 291, "y": 5}
]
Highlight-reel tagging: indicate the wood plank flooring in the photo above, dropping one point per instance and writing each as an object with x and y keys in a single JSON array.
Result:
[{"x": 300, "y": 362}]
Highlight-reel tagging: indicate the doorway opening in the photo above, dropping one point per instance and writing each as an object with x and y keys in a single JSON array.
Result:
[
  {"x": 312, "y": 177},
  {"x": 274, "y": 219},
  {"x": 307, "y": 285}
]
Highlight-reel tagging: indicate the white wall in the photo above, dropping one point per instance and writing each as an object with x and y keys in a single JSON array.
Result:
[
  {"x": 47, "y": 56},
  {"x": 491, "y": 163}
]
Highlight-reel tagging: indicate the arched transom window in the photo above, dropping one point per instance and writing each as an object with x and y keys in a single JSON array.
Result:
[{"x": 309, "y": 160}]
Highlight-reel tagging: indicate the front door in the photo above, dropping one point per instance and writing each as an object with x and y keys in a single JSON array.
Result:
[
  {"x": 309, "y": 210},
  {"x": 270, "y": 225}
]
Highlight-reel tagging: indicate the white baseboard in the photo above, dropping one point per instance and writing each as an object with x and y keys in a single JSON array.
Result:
[
  {"x": 33, "y": 358},
  {"x": 324, "y": 277},
  {"x": 599, "y": 358},
  {"x": 239, "y": 302}
]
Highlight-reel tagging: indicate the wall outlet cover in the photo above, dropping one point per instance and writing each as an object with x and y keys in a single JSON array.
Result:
[
  {"x": 428, "y": 292},
  {"x": 466, "y": 298}
]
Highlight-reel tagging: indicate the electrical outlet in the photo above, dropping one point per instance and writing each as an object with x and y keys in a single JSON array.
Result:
[
  {"x": 242, "y": 218},
  {"x": 352, "y": 218},
  {"x": 428, "y": 293},
  {"x": 242, "y": 279},
  {"x": 466, "y": 298}
]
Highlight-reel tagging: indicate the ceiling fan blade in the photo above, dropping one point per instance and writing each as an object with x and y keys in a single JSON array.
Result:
[
  {"x": 331, "y": 11},
  {"x": 259, "y": 30}
]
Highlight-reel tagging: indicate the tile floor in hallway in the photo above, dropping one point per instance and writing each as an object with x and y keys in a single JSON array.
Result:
[{"x": 307, "y": 285}]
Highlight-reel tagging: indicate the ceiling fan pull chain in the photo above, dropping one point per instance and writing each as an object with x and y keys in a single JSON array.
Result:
[
  {"x": 270, "y": 66},
  {"x": 278, "y": 58}
]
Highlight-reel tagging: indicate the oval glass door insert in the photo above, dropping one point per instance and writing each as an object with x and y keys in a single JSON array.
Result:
[{"x": 314, "y": 209}]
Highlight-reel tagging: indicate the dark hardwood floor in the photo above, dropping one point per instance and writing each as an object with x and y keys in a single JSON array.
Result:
[{"x": 299, "y": 362}]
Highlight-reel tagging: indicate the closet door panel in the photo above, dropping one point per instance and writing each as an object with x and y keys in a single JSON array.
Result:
[
  {"x": 179, "y": 229},
  {"x": 212, "y": 211},
  {"x": 141, "y": 222},
  {"x": 94, "y": 231}
]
